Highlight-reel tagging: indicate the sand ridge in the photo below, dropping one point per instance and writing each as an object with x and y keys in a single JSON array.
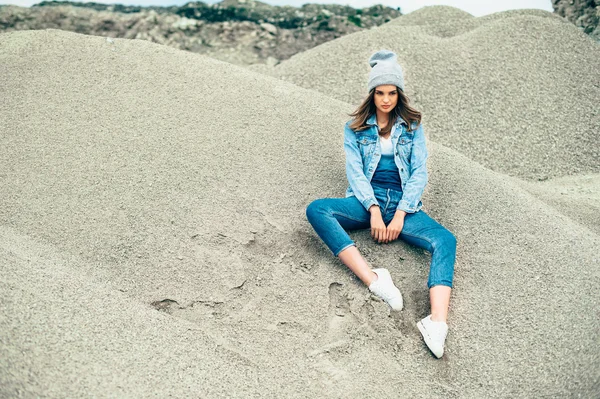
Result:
[
  {"x": 157, "y": 174},
  {"x": 578, "y": 197},
  {"x": 517, "y": 93},
  {"x": 445, "y": 21}
]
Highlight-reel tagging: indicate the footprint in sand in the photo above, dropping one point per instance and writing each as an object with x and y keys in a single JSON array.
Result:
[
  {"x": 339, "y": 320},
  {"x": 339, "y": 310}
]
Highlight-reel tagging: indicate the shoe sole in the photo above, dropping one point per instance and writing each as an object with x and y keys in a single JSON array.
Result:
[
  {"x": 397, "y": 309},
  {"x": 393, "y": 309},
  {"x": 427, "y": 339}
]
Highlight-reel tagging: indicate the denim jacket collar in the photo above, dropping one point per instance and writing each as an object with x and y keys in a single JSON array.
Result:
[{"x": 372, "y": 120}]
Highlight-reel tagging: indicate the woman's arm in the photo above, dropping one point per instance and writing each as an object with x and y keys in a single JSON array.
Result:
[
  {"x": 413, "y": 190},
  {"x": 361, "y": 187}
]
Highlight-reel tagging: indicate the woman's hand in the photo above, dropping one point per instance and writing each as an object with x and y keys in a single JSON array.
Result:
[
  {"x": 378, "y": 229},
  {"x": 395, "y": 227}
]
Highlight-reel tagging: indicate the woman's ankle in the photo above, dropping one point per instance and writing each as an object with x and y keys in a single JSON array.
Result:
[
  {"x": 438, "y": 317},
  {"x": 372, "y": 278}
]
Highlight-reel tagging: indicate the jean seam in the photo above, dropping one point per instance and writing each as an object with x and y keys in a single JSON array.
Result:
[
  {"x": 346, "y": 216},
  {"x": 430, "y": 243},
  {"x": 419, "y": 237}
]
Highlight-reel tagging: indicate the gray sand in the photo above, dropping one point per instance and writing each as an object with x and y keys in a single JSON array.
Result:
[
  {"x": 517, "y": 92},
  {"x": 134, "y": 173},
  {"x": 578, "y": 197}
]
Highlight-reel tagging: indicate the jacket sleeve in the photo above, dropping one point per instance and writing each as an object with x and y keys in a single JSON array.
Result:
[
  {"x": 361, "y": 187},
  {"x": 413, "y": 190}
]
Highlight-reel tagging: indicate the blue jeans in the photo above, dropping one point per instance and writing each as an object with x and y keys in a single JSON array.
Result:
[{"x": 331, "y": 217}]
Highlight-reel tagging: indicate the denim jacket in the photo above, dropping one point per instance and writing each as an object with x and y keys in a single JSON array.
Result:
[{"x": 363, "y": 151}]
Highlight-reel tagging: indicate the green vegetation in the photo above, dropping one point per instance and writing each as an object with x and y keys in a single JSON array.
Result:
[{"x": 355, "y": 19}]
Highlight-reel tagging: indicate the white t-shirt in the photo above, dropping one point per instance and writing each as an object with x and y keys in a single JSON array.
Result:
[{"x": 386, "y": 144}]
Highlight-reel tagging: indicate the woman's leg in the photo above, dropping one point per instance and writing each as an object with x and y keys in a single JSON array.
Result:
[
  {"x": 355, "y": 262},
  {"x": 331, "y": 217},
  {"x": 421, "y": 230},
  {"x": 439, "y": 297},
  {"x": 424, "y": 232}
]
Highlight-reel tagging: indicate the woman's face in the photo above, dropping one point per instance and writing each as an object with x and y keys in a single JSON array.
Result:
[{"x": 386, "y": 97}]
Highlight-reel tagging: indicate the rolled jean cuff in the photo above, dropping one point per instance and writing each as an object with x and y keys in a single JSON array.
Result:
[
  {"x": 444, "y": 283},
  {"x": 336, "y": 253}
]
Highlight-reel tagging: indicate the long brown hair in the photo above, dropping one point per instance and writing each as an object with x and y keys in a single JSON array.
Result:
[{"x": 401, "y": 110}]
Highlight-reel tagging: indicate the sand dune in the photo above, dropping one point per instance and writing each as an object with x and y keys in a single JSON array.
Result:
[
  {"x": 433, "y": 15},
  {"x": 137, "y": 176},
  {"x": 516, "y": 92},
  {"x": 445, "y": 21},
  {"x": 578, "y": 197},
  {"x": 67, "y": 335}
]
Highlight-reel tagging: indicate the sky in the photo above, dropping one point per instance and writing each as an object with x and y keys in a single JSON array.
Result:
[{"x": 474, "y": 7}]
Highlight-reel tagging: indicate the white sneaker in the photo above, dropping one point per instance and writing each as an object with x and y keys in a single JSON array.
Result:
[
  {"x": 434, "y": 333},
  {"x": 385, "y": 289}
]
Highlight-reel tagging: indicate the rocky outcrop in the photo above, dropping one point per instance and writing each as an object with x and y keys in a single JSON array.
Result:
[
  {"x": 237, "y": 31},
  {"x": 583, "y": 13}
]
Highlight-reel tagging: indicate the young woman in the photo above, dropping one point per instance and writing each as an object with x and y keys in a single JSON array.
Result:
[{"x": 387, "y": 173}]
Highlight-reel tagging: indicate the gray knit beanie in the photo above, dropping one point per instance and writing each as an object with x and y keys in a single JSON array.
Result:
[{"x": 385, "y": 70}]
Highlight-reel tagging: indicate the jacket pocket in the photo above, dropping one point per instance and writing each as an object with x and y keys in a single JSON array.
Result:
[
  {"x": 365, "y": 140},
  {"x": 366, "y": 144},
  {"x": 404, "y": 147}
]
